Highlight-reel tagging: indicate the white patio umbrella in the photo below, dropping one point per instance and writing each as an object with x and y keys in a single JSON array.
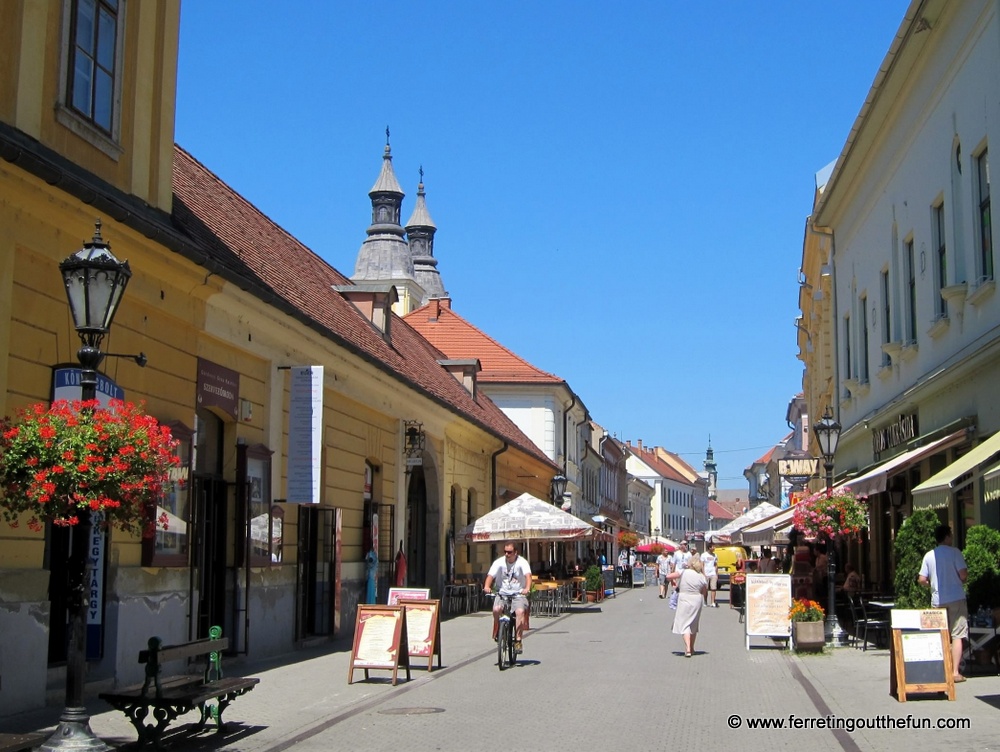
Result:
[
  {"x": 759, "y": 512},
  {"x": 529, "y": 518}
]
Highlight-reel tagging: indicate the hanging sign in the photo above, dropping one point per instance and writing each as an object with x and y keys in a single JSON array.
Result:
[
  {"x": 218, "y": 388},
  {"x": 305, "y": 434}
]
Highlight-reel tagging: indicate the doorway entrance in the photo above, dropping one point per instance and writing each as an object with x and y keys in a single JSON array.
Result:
[
  {"x": 316, "y": 573},
  {"x": 417, "y": 542}
]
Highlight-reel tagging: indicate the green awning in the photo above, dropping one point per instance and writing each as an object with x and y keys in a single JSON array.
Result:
[
  {"x": 991, "y": 484},
  {"x": 936, "y": 491}
]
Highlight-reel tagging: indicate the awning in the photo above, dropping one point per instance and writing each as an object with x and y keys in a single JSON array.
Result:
[
  {"x": 936, "y": 490},
  {"x": 769, "y": 530},
  {"x": 874, "y": 481},
  {"x": 991, "y": 484}
]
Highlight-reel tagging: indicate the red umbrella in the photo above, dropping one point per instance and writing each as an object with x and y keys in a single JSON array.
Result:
[{"x": 645, "y": 548}]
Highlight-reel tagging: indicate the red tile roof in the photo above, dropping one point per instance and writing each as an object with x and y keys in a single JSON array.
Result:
[
  {"x": 235, "y": 233},
  {"x": 659, "y": 466},
  {"x": 719, "y": 512},
  {"x": 457, "y": 338}
]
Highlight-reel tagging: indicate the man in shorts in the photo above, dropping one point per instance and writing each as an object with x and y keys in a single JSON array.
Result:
[
  {"x": 943, "y": 570},
  {"x": 711, "y": 564},
  {"x": 513, "y": 573}
]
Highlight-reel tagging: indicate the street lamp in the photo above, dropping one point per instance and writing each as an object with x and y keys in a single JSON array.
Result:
[
  {"x": 558, "y": 488},
  {"x": 628, "y": 549},
  {"x": 95, "y": 281},
  {"x": 827, "y": 432}
]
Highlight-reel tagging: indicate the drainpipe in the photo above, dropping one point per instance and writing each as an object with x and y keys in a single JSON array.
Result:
[
  {"x": 493, "y": 473},
  {"x": 566, "y": 434}
]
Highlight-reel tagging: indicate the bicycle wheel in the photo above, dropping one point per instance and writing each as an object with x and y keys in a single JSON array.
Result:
[
  {"x": 503, "y": 637},
  {"x": 511, "y": 643}
]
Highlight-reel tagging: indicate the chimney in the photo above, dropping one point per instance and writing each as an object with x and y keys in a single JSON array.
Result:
[
  {"x": 374, "y": 301},
  {"x": 638, "y": 443},
  {"x": 464, "y": 370},
  {"x": 438, "y": 305}
]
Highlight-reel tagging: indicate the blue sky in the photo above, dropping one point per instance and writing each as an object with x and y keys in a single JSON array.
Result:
[{"x": 620, "y": 189}]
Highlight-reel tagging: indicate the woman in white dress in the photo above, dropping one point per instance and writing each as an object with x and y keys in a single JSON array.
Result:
[{"x": 692, "y": 587}]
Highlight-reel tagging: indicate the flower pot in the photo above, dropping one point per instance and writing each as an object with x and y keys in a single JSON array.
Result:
[
  {"x": 808, "y": 635},
  {"x": 591, "y": 596}
]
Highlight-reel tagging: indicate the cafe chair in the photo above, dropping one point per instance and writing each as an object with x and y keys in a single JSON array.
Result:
[{"x": 868, "y": 624}]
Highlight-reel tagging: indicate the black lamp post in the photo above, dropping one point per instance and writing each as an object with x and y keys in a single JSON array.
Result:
[
  {"x": 827, "y": 432},
  {"x": 95, "y": 281},
  {"x": 558, "y": 488}
]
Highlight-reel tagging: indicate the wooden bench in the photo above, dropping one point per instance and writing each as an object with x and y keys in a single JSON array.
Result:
[
  {"x": 20, "y": 742},
  {"x": 166, "y": 699}
]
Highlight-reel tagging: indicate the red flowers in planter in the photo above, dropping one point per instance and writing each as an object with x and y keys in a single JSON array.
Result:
[
  {"x": 822, "y": 516},
  {"x": 58, "y": 459}
]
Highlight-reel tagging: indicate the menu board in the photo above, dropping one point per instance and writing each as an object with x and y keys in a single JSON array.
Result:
[
  {"x": 768, "y": 600},
  {"x": 921, "y": 660},
  {"x": 379, "y": 631},
  {"x": 424, "y": 629}
]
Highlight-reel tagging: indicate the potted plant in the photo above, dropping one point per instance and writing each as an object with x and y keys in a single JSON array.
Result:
[
  {"x": 982, "y": 557},
  {"x": 914, "y": 539},
  {"x": 807, "y": 624},
  {"x": 594, "y": 583},
  {"x": 627, "y": 539}
]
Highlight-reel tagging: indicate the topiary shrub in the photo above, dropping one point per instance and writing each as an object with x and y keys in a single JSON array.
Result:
[
  {"x": 594, "y": 578},
  {"x": 914, "y": 539},
  {"x": 982, "y": 557}
]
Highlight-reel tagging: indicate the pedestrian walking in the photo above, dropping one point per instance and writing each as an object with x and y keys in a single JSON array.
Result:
[
  {"x": 710, "y": 563},
  {"x": 663, "y": 568},
  {"x": 692, "y": 588},
  {"x": 943, "y": 569}
]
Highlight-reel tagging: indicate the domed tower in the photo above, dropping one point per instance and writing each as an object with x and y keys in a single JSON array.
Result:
[
  {"x": 385, "y": 256},
  {"x": 712, "y": 470},
  {"x": 420, "y": 234}
]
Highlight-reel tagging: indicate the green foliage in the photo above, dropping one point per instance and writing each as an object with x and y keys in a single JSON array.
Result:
[
  {"x": 914, "y": 539},
  {"x": 982, "y": 557},
  {"x": 594, "y": 578}
]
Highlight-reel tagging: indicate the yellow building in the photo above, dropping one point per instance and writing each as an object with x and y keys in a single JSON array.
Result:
[{"x": 231, "y": 312}]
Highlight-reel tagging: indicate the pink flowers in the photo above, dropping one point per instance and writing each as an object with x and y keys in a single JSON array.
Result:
[{"x": 820, "y": 516}]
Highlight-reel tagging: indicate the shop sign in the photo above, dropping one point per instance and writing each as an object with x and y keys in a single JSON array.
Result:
[{"x": 894, "y": 434}]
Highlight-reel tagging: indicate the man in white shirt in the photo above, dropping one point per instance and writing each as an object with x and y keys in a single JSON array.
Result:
[
  {"x": 943, "y": 570},
  {"x": 663, "y": 567},
  {"x": 513, "y": 573},
  {"x": 711, "y": 564},
  {"x": 679, "y": 561}
]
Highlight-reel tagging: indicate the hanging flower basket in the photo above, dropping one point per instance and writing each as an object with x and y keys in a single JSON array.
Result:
[
  {"x": 627, "y": 539},
  {"x": 825, "y": 517},
  {"x": 57, "y": 460}
]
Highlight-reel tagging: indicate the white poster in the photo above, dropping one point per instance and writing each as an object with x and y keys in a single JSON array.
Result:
[{"x": 305, "y": 434}]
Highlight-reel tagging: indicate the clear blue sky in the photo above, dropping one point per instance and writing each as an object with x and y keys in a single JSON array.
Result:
[{"x": 620, "y": 189}]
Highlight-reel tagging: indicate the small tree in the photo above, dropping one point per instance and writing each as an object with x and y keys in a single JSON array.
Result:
[
  {"x": 914, "y": 539},
  {"x": 982, "y": 557}
]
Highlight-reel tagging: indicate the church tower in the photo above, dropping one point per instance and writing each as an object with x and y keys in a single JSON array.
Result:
[
  {"x": 420, "y": 234},
  {"x": 385, "y": 256},
  {"x": 712, "y": 470}
]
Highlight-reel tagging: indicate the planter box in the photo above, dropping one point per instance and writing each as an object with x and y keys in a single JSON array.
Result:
[{"x": 808, "y": 635}]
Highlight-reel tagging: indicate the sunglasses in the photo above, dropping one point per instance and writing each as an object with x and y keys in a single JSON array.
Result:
[{"x": 509, "y": 553}]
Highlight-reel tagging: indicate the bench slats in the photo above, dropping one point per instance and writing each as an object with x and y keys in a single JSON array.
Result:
[{"x": 187, "y": 650}]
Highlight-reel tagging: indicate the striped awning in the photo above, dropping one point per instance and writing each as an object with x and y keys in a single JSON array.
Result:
[
  {"x": 874, "y": 480},
  {"x": 936, "y": 491},
  {"x": 991, "y": 484},
  {"x": 773, "y": 529}
]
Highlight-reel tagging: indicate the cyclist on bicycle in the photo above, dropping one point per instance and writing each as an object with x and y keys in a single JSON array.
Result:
[{"x": 514, "y": 575}]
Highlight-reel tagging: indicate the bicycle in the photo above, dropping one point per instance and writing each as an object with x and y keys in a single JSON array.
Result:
[{"x": 506, "y": 632}]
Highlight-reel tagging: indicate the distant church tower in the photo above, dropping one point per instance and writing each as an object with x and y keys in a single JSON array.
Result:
[
  {"x": 712, "y": 470},
  {"x": 385, "y": 256},
  {"x": 392, "y": 255},
  {"x": 420, "y": 234}
]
